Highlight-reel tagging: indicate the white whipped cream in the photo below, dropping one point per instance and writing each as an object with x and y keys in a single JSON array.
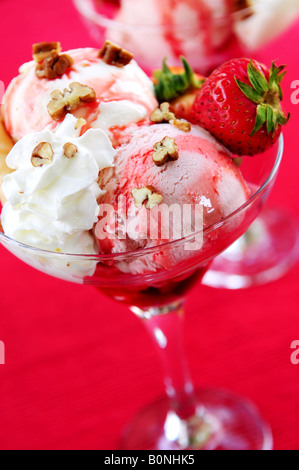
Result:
[{"x": 53, "y": 207}]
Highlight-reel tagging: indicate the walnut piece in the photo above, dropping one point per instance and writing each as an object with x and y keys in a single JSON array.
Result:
[
  {"x": 69, "y": 100},
  {"x": 50, "y": 63},
  {"x": 69, "y": 150},
  {"x": 165, "y": 151},
  {"x": 112, "y": 54},
  {"x": 164, "y": 114},
  {"x": 149, "y": 194},
  {"x": 42, "y": 154}
]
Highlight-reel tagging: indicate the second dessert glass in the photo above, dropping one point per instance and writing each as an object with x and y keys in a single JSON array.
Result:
[{"x": 185, "y": 418}]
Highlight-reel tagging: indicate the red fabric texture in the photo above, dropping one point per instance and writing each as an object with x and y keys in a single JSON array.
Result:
[{"x": 78, "y": 366}]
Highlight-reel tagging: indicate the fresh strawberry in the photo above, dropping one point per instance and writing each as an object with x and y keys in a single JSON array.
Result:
[
  {"x": 178, "y": 86},
  {"x": 240, "y": 105}
]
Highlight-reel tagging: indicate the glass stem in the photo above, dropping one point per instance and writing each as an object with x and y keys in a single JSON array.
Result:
[{"x": 165, "y": 326}]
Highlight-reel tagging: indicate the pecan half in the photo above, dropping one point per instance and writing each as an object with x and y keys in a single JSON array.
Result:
[
  {"x": 148, "y": 194},
  {"x": 112, "y": 54},
  {"x": 69, "y": 100},
  {"x": 42, "y": 154},
  {"x": 165, "y": 151},
  {"x": 164, "y": 114},
  {"x": 69, "y": 150}
]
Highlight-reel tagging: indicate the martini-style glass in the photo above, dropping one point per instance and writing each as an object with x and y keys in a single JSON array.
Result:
[{"x": 184, "y": 418}]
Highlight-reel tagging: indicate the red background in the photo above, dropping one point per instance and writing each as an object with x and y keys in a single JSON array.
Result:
[{"x": 78, "y": 366}]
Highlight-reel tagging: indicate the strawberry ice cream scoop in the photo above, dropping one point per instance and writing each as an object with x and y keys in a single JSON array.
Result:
[
  {"x": 147, "y": 204},
  {"x": 124, "y": 95}
]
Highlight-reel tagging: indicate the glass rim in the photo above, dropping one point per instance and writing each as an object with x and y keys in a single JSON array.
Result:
[
  {"x": 87, "y": 9},
  {"x": 145, "y": 251}
]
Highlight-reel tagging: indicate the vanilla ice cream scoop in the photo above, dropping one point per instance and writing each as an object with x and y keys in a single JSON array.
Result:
[{"x": 123, "y": 95}]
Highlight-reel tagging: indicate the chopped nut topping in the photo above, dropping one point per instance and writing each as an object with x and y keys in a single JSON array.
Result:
[
  {"x": 42, "y": 154},
  {"x": 164, "y": 151},
  {"x": 149, "y": 194},
  {"x": 42, "y": 49},
  {"x": 50, "y": 63},
  {"x": 70, "y": 150},
  {"x": 69, "y": 100},
  {"x": 164, "y": 114},
  {"x": 112, "y": 54}
]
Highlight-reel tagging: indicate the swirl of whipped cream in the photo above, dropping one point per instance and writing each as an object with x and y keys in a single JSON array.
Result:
[{"x": 54, "y": 206}]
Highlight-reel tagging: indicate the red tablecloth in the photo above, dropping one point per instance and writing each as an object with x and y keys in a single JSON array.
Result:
[{"x": 78, "y": 366}]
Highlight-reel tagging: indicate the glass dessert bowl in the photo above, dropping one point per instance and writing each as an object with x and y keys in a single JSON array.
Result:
[{"x": 185, "y": 419}]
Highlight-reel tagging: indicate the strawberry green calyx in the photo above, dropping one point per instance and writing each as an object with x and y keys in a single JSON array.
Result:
[
  {"x": 170, "y": 85},
  {"x": 267, "y": 94}
]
